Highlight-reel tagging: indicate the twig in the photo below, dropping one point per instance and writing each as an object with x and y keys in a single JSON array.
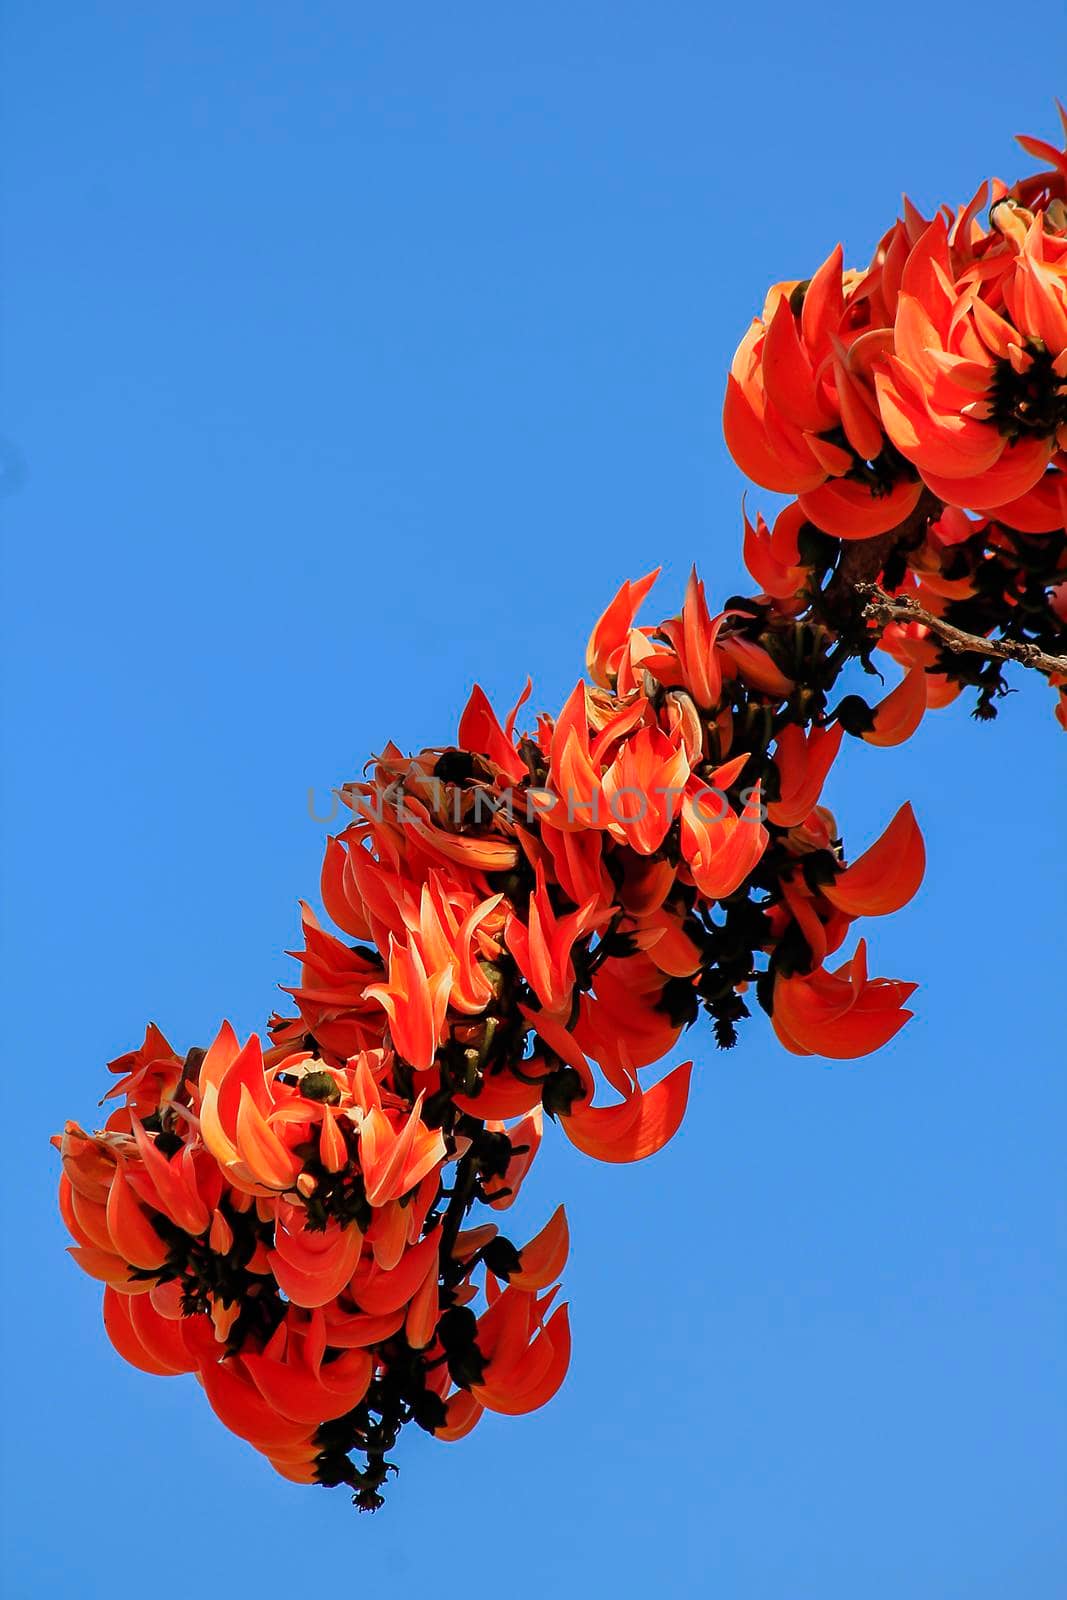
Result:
[{"x": 882, "y": 607}]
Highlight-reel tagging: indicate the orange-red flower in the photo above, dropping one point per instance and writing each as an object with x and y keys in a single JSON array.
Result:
[
  {"x": 526, "y": 1359},
  {"x": 694, "y": 635},
  {"x": 543, "y": 945},
  {"x": 961, "y": 392},
  {"x": 841, "y": 1014},
  {"x": 643, "y": 788},
  {"x": 885, "y": 876},
  {"x": 720, "y": 848},
  {"x": 396, "y": 1150},
  {"x": 899, "y": 714},
  {"x": 773, "y": 557},
  {"x": 416, "y": 1002},
  {"x": 803, "y": 761},
  {"x": 150, "y": 1074},
  {"x": 609, "y": 638},
  {"x": 639, "y": 1126},
  {"x": 801, "y": 412}
]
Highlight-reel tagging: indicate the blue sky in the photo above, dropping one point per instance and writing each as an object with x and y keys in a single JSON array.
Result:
[{"x": 352, "y": 354}]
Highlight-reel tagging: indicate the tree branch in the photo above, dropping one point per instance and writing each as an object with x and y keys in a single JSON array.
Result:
[
  {"x": 882, "y": 607},
  {"x": 464, "y": 1185}
]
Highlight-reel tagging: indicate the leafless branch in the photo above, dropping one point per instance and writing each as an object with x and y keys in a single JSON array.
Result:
[{"x": 882, "y": 607}]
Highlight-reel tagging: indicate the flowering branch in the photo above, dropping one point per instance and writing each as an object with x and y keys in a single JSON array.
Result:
[{"x": 528, "y": 921}]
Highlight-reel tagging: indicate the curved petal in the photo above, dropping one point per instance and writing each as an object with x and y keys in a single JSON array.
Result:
[
  {"x": 885, "y": 876},
  {"x": 638, "y": 1127}
]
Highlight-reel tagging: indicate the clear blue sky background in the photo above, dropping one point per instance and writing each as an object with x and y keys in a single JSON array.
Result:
[{"x": 354, "y": 353}]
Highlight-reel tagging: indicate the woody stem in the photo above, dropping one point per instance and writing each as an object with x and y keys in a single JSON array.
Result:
[
  {"x": 881, "y": 607},
  {"x": 863, "y": 560},
  {"x": 463, "y": 1188}
]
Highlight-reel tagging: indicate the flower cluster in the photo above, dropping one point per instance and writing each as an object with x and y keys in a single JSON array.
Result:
[
  {"x": 526, "y": 922},
  {"x": 894, "y": 400}
]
